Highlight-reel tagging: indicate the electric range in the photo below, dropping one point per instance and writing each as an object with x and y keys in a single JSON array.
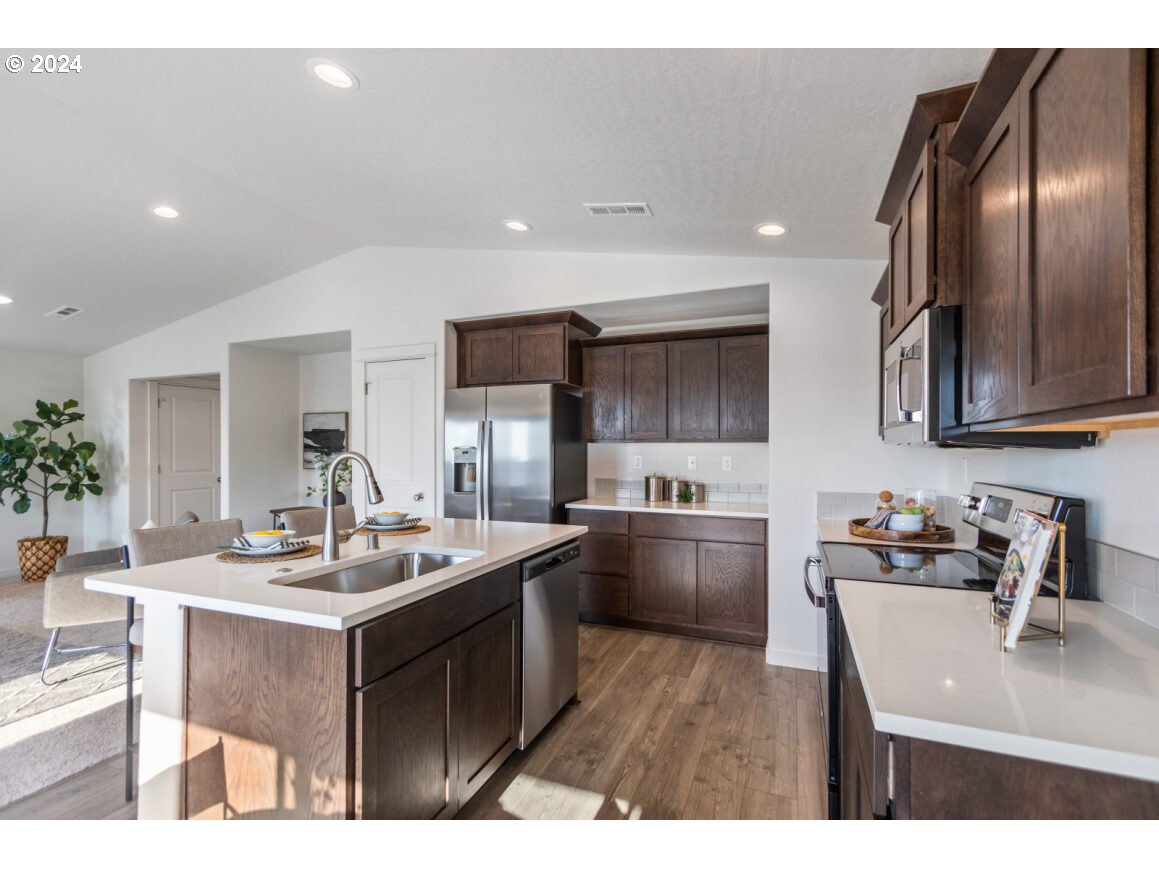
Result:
[{"x": 991, "y": 509}]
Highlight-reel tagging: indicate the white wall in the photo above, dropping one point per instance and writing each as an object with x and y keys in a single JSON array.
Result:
[
  {"x": 750, "y": 462},
  {"x": 324, "y": 384},
  {"x": 264, "y": 434},
  {"x": 25, "y": 377}
]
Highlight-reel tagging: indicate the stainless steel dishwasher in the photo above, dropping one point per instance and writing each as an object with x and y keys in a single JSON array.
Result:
[{"x": 550, "y": 636}]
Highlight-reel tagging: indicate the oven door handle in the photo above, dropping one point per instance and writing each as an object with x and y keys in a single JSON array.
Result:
[{"x": 818, "y": 600}]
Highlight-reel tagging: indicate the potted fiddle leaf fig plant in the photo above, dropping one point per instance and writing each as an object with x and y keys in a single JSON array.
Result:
[{"x": 37, "y": 460}]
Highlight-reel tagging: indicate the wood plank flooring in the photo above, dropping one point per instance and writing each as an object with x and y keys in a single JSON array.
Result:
[
  {"x": 666, "y": 727},
  {"x": 670, "y": 727}
]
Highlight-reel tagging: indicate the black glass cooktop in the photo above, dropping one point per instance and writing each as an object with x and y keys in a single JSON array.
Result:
[{"x": 939, "y": 568}]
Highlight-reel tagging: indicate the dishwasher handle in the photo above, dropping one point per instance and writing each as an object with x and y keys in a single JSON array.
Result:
[{"x": 533, "y": 568}]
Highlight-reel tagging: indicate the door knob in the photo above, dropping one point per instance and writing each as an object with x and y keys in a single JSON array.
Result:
[{"x": 419, "y": 496}]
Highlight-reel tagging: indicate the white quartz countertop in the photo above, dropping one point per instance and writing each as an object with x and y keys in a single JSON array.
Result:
[
  {"x": 837, "y": 531},
  {"x": 932, "y": 669},
  {"x": 246, "y": 589},
  {"x": 708, "y": 508}
]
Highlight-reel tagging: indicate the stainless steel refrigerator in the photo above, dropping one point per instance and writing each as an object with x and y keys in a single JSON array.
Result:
[{"x": 513, "y": 453}]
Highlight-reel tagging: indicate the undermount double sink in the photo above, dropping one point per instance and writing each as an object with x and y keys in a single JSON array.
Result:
[{"x": 383, "y": 572}]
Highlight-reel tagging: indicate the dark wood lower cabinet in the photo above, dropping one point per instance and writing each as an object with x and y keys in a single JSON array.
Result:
[
  {"x": 407, "y": 747},
  {"x": 402, "y": 717},
  {"x": 697, "y": 576},
  {"x": 662, "y": 581}
]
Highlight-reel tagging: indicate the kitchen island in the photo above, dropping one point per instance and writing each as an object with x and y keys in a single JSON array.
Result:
[
  {"x": 938, "y": 722},
  {"x": 265, "y": 698}
]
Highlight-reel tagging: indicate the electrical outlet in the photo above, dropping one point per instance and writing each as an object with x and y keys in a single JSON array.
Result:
[
  {"x": 637, "y": 461},
  {"x": 726, "y": 463},
  {"x": 692, "y": 463}
]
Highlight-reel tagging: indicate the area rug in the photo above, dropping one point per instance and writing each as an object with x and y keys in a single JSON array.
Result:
[{"x": 22, "y": 642}]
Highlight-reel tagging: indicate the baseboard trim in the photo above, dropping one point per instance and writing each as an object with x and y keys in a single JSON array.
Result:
[
  {"x": 792, "y": 658},
  {"x": 9, "y": 573}
]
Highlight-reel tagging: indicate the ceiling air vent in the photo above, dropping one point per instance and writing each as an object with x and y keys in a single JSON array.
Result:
[
  {"x": 64, "y": 312},
  {"x": 618, "y": 209}
]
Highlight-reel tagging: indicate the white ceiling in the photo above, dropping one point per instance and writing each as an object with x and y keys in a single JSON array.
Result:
[{"x": 276, "y": 172}]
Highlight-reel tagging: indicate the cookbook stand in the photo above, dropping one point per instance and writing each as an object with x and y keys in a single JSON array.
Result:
[{"x": 1033, "y": 631}]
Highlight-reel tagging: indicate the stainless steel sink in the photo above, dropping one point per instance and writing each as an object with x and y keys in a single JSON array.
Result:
[{"x": 375, "y": 575}]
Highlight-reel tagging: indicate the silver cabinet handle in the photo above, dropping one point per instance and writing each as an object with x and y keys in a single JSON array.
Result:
[{"x": 818, "y": 600}]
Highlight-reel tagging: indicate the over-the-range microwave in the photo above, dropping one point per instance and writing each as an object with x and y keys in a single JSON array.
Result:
[{"x": 921, "y": 391}]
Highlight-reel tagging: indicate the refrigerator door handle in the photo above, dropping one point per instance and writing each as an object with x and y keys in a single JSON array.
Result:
[{"x": 483, "y": 487}]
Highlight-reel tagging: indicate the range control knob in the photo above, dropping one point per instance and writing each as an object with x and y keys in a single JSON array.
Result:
[{"x": 969, "y": 502}]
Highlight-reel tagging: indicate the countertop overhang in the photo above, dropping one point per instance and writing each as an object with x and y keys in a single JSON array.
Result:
[
  {"x": 707, "y": 508},
  {"x": 245, "y": 589},
  {"x": 932, "y": 669}
]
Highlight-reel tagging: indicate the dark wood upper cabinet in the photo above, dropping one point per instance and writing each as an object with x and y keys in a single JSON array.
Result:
[
  {"x": 714, "y": 386},
  {"x": 646, "y": 392},
  {"x": 529, "y": 348},
  {"x": 406, "y": 749},
  {"x": 603, "y": 394},
  {"x": 539, "y": 353},
  {"x": 744, "y": 388},
  {"x": 990, "y": 330},
  {"x": 694, "y": 390},
  {"x": 485, "y": 357},
  {"x": 1082, "y": 306}
]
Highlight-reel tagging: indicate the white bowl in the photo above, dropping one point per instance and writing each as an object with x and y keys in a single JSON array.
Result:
[
  {"x": 381, "y": 519},
  {"x": 906, "y": 522},
  {"x": 264, "y": 539}
]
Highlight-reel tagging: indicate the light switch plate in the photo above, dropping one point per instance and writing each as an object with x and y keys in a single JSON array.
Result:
[
  {"x": 692, "y": 463},
  {"x": 726, "y": 463},
  {"x": 637, "y": 461}
]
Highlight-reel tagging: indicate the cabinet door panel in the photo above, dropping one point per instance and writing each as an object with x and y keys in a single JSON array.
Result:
[
  {"x": 489, "y": 698},
  {"x": 662, "y": 581},
  {"x": 898, "y": 272},
  {"x": 486, "y": 357},
  {"x": 731, "y": 586},
  {"x": 604, "y": 393},
  {"x": 744, "y": 388},
  {"x": 604, "y": 553},
  {"x": 990, "y": 355},
  {"x": 918, "y": 289},
  {"x": 601, "y": 594},
  {"x": 646, "y": 392},
  {"x": 539, "y": 353},
  {"x": 1083, "y": 296},
  {"x": 406, "y": 752},
  {"x": 694, "y": 390}
]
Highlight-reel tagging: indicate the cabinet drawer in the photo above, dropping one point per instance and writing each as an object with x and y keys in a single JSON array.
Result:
[
  {"x": 602, "y": 594},
  {"x": 389, "y": 642},
  {"x": 604, "y": 521},
  {"x": 699, "y": 528},
  {"x": 604, "y": 553}
]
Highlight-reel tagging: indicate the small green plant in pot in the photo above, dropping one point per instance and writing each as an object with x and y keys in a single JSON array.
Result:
[
  {"x": 38, "y": 461},
  {"x": 342, "y": 481}
]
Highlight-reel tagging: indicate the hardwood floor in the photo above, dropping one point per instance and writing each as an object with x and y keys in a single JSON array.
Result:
[
  {"x": 670, "y": 727},
  {"x": 666, "y": 727},
  {"x": 94, "y": 794}
]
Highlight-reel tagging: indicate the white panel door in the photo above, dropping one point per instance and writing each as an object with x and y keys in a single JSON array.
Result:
[
  {"x": 189, "y": 452},
  {"x": 400, "y": 432}
]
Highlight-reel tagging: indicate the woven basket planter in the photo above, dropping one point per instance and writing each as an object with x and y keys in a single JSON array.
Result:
[{"x": 38, "y": 556}]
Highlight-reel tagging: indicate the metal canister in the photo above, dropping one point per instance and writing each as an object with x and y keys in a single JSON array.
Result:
[
  {"x": 699, "y": 490},
  {"x": 654, "y": 487},
  {"x": 672, "y": 490}
]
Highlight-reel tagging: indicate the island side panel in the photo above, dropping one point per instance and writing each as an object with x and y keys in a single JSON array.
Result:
[
  {"x": 161, "y": 740},
  {"x": 269, "y": 719}
]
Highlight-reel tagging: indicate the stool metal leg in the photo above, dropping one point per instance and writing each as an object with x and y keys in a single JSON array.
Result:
[{"x": 129, "y": 705}]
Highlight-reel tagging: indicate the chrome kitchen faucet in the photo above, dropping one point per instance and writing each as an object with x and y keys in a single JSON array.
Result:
[{"x": 330, "y": 535}]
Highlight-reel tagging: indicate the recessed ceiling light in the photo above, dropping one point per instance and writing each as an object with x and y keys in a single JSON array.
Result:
[
  {"x": 770, "y": 230},
  {"x": 333, "y": 74},
  {"x": 4, "y": 300},
  {"x": 517, "y": 225},
  {"x": 167, "y": 212}
]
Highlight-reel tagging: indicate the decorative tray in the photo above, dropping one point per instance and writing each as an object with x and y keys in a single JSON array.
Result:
[{"x": 940, "y": 534}]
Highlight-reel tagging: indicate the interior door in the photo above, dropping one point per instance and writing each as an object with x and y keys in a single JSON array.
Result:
[
  {"x": 188, "y": 452},
  {"x": 400, "y": 432}
]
